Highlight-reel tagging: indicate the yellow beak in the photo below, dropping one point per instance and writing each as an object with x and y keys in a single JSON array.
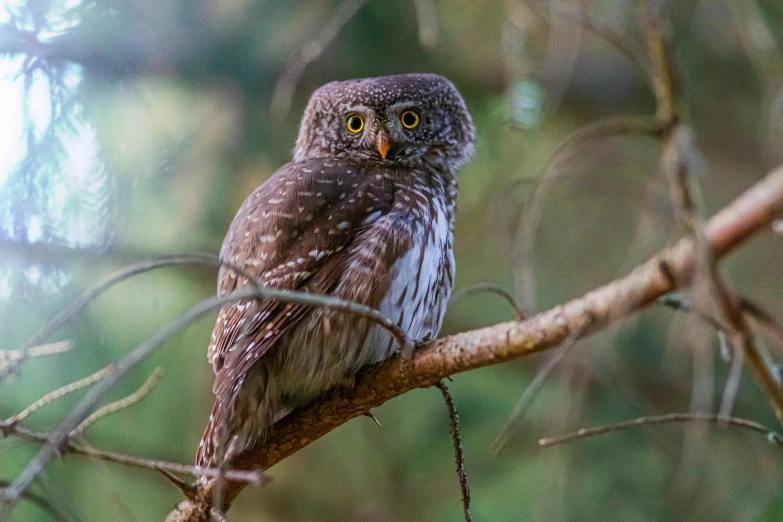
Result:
[{"x": 382, "y": 144}]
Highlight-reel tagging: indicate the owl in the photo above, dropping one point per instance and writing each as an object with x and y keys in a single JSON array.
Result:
[{"x": 364, "y": 213}]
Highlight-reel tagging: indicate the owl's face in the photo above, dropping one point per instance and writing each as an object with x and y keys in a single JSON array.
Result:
[{"x": 407, "y": 120}]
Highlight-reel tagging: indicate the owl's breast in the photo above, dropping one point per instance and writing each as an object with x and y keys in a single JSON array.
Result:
[{"x": 419, "y": 281}]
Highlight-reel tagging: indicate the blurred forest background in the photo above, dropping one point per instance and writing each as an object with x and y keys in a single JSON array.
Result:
[{"x": 130, "y": 129}]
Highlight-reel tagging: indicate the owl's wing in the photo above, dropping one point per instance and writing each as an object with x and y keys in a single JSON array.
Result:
[{"x": 293, "y": 233}]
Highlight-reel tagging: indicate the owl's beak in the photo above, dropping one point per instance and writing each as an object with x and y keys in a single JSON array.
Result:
[{"x": 382, "y": 144}]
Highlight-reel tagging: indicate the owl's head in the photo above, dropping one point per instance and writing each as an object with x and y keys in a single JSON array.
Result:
[{"x": 408, "y": 120}]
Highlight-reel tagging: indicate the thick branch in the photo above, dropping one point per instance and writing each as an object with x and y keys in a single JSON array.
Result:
[{"x": 751, "y": 212}]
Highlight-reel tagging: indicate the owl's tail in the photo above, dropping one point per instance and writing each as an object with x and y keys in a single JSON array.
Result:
[
  {"x": 219, "y": 437},
  {"x": 210, "y": 440}
]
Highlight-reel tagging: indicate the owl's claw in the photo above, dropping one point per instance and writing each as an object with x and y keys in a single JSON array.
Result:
[
  {"x": 369, "y": 414},
  {"x": 409, "y": 347},
  {"x": 348, "y": 383},
  {"x": 407, "y": 351}
]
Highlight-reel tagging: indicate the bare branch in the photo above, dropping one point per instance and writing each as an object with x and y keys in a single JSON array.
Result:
[
  {"x": 36, "y": 351},
  {"x": 670, "y": 418},
  {"x": 492, "y": 288},
  {"x": 460, "y": 457},
  {"x": 56, "y": 394},
  {"x": 188, "y": 489},
  {"x": 662, "y": 74},
  {"x": 681, "y": 303},
  {"x": 732, "y": 383},
  {"x": 10, "y": 360},
  {"x": 118, "y": 277},
  {"x": 762, "y": 317},
  {"x": 252, "y": 477},
  {"x": 372, "y": 416},
  {"x": 121, "y": 404},
  {"x": 754, "y": 310},
  {"x": 728, "y": 351},
  {"x": 751, "y": 212},
  {"x": 209, "y": 259}
]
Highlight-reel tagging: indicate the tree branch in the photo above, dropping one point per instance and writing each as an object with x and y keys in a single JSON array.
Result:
[
  {"x": 458, "y": 453},
  {"x": 751, "y": 212},
  {"x": 130, "y": 460},
  {"x": 668, "y": 418}
]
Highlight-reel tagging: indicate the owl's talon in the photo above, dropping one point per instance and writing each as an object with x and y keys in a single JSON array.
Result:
[
  {"x": 407, "y": 351},
  {"x": 369, "y": 414},
  {"x": 411, "y": 346},
  {"x": 348, "y": 383}
]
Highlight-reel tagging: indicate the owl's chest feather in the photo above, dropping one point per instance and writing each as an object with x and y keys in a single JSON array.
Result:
[
  {"x": 417, "y": 284},
  {"x": 420, "y": 276}
]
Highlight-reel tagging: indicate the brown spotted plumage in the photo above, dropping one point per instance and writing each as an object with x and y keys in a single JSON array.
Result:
[{"x": 364, "y": 216}]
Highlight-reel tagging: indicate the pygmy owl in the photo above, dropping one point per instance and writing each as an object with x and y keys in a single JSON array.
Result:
[{"x": 364, "y": 213}]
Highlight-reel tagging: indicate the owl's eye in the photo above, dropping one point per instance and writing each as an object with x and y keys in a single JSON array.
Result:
[
  {"x": 409, "y": 119},
  {"x": 354, "y": 122}
]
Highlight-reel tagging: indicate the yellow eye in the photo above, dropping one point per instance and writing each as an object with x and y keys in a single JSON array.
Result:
[
  {"x": 409, "y": 119},
  {"x": 354, "y": 122}
]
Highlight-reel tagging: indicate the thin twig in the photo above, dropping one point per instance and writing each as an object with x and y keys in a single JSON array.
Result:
[
  {"x": 121, "y": 404},
  {"x": 662, "y": 73},
  {"x": 724, "y": 346},
  {"x": 679, "y": 302},
  {"x": 531, "y": 391},
  {"x": 33, "y": 347},
  {"x": 10, "y": 360},
  {"x": 188, "y": 489},
  {"x": 307, "y": 54},
  {"x": 56, "y": 394},
  {"x": 493, "y": 288},
  {"x": 731, "y": 387},
  {"x": 36, "y": 351},
  {"x": 207, "y": 259},
  {"x": 460, "y": 457},
  {"x": 669, "y": 418},
  {"x": 762, "y": 317},
  {"x": 252, "y": 477}
]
